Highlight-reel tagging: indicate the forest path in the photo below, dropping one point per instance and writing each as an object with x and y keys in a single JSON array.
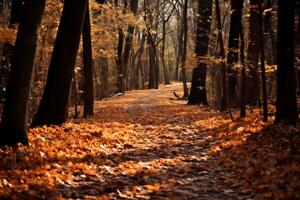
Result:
[{"x": 144, "y": 145}]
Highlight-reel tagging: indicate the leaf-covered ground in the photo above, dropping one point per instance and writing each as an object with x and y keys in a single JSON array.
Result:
[{"x": 148, "y": 145}]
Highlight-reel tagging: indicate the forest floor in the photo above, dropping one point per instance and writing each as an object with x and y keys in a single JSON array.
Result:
[{"x": 149, "y": 145}]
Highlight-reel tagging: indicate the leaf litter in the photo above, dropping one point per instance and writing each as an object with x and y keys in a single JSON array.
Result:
[{"x": 146, "y": 145}]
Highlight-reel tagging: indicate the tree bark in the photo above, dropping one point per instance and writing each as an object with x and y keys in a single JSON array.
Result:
[
  {"x": 119, "y": 61},
  {"x": 262, "y": 63},
  {"x": 128, "y": 42},
  {"x": 286, "y": 105},
  {"x": 88, "y": 93},
  {"x": 268, "y": 28},
  {"x": 184, "y": 53},
  {"x": 224, "y": 102},
  {"x": 163, "y": 48},
  {"x": 151, "y": 83},
  {"x": 233, "y": 45},
  {"x": 163, "y": 45},
  {"x": 253, "y": 53},
  {"x": 178, "y": 52},
  {"x": 198, "y": 88},
  {"x": 139, "y": 67},
  {"x": 104, "y": 75},
  {"x": 17, "y": 11},
  {"x": 54, "y": 104},
  {"x": 14, "y": 122},
  {"x": 243, "y": 76}
]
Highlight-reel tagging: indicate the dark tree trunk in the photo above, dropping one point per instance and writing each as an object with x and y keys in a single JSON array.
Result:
[
  {"x": 179, "y": 53},
  {"x": 253, "y": 53},
  {"x": 54, "y": 104},
  {"x": 268, "y": 28},
  {"x": 198, "y": 89},
  {"x": 262, "y": 63},
  {"x": 128, "y": 41},
  {"x": 119, "y": 61},
  {"x": 184, "y": 50},
  {"x": 163, "y": 48},
  {"x": 15, "y": 113},
  {"x": 163, "y": 44},
  {"x": 156, "y": 69},
  {"x": 17, "y": 11},
  {"x": 286, "y": 105},
  {"x": 153, "y": 63},
  {"x": 243, "y": 76},
  {"x": 297, "y": 50},
  {"x": 143, "y": 72},
  {"x": 233, "y": 45},
  {"x": 224, "y": 102},
  {"x": 151, "y": 83},
  {"x": 104, "y": 74},
  {"x": 88, "y": 93},
  {"x": 139, "y": 67},
  {"x": 1, "y": 6}
]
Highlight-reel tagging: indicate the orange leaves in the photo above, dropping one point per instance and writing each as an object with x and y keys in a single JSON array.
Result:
[
  {"x": 262, "y": 158},
  {"x": 146, "y": 146},
  {"x": 7, "y": 35}
]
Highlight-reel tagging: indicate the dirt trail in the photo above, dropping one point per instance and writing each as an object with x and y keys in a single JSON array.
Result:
[
  {"x": 144, "y": 145},
  {"x": 169, "y": 155}
]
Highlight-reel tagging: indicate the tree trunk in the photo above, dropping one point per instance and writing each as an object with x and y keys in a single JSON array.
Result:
[
  {"x": 15, "y": 113},
  {"x": 243, "y": 76},
  {"x": 156, "y": 69},
  {"x": 286, "y": 105},
  {"x": 262, "y": 63},
  {"x": 224, "y": 102},
  {"x": 104, "y": 75},
  {"x": 17, "y": 11},
  {"x": 103, "y": 70},
  {"x": 119, "y": 61},
  {"x": 268, "y": 28},
  {"x": 139, "y": 67},
  {"x": 163, "y": 48},
  {"x": 163, "y": 44},
  {"x": 233, "y": 45},
  {"x": 198, "y": 88},
  {"x": 54, "y": 104},
  {"x": 178, "y": 53},
  {"x": 253, "y": 53},
  {"x": 151, "y": 83},
  {"x": 88, "y": 93},
  {"x": 128, "y": 42},
  {"x": 184, "y": 53}
]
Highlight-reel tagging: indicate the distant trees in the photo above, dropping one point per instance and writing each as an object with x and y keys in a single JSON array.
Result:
[{"x": 14, "y": 124}]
